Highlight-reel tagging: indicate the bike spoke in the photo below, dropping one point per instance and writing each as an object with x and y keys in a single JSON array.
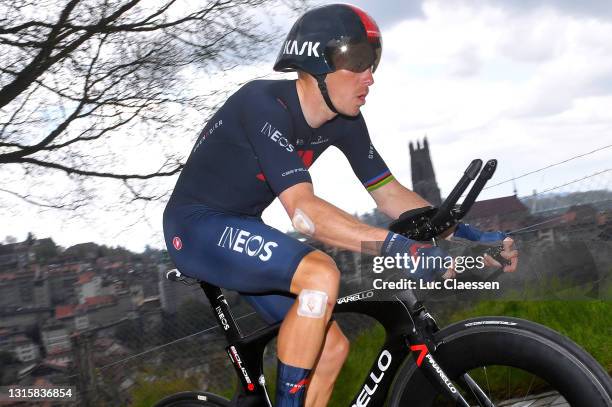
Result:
[
  {"x": 508, "y": 387},
  {"x": 529, "y": 388},
  {"x": 487, "y": 379}
]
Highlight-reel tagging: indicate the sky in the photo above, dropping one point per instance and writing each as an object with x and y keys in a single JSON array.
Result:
[{"x": 526, "y": 82}]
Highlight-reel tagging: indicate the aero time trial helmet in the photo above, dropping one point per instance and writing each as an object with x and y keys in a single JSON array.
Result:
[{"x": 328, "y": 38}]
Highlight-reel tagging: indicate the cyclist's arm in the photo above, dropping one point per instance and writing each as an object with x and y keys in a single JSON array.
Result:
[
  {"x": 331, "y": 225},
  {"x": 393, "y": 199},
  {"x": 390, "y": 196}
]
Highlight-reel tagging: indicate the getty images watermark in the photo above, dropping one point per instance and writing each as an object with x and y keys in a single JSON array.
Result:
[{"x": 409, "y": 264}]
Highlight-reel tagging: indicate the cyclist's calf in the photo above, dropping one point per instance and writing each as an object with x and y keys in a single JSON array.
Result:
[{"x": 303, "y": 330}]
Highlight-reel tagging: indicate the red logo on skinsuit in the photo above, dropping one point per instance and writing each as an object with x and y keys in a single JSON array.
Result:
[
  {"x": 177, "y": 243},
  {"x": 307, "y": 157},
  {"x": 296, "y": 387},
  {"x": 415, "y": 247}
]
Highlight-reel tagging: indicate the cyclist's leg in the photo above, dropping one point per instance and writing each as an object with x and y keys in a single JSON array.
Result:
[
  {"x": 328, "y": 366},
  {"x": 303, "y": 330},
  {"x": 273, "y": 308}
]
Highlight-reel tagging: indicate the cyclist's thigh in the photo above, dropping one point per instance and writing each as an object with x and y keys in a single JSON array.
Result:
[
  {"x": 271, "y": 307},
  {"x": 235, "y": 252}
]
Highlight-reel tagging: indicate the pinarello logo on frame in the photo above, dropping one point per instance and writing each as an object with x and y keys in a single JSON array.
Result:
[{"x": 177, "y": 243}]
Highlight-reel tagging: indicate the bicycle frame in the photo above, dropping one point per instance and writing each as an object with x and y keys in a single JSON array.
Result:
[{"x": 408, "y": 326}]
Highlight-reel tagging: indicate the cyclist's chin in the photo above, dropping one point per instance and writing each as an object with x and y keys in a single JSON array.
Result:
[{"x": 350, "y": 110}]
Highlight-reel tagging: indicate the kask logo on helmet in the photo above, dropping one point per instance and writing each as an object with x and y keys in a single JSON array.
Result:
[{"x": 292, "y": 48}]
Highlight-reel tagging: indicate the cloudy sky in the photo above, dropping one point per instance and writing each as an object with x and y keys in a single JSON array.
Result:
[{"x": 526, "y": 82}]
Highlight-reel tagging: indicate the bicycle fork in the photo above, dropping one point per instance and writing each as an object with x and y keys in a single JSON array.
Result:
[{"x": 421, "y": 342}]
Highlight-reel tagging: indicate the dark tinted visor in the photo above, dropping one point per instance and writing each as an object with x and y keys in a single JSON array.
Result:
[{"x": 355, "y": 57}]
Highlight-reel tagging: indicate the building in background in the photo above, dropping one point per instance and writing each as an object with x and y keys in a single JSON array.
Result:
[
  {"x": 506, "y": 213},
  {"x": 17, "y": 343},
  {"x": 55, "y": 337},
  {"x": 423, "y": 176}
]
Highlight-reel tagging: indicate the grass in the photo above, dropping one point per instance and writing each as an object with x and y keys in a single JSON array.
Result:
[
  {"x": 154, "y": 384},
  {"x": 146, "y": 393}
]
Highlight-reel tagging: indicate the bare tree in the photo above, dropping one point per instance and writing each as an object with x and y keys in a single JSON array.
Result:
[{"x": 99, "y": 91}]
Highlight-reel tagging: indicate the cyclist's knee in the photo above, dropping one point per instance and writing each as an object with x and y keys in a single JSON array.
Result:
[{"x": 317, "y": 272}]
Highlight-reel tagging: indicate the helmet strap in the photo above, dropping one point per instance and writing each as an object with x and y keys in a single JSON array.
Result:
[{"x": 323, "y": 88}]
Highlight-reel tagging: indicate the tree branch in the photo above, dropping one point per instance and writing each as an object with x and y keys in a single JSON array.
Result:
[
  {"x": 78, "y": 171},
  {"x": 29, "y": 24},
  {"x": 71, "y": 207},
  {"x": 36, "y": 67}
]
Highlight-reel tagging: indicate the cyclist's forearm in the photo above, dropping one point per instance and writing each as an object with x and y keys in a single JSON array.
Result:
[
  {"x": 340, "y": 229},
  {"x": 394, "y": 199},
  {"x": 337, "y": 228},
  {"x": 327, "y": 223}
]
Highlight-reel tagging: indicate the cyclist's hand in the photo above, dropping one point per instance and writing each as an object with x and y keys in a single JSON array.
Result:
[
  {"x": 427, "y": 261},
  {"x": 509, "y": 252},
  {"x": 469, "y": 232}
]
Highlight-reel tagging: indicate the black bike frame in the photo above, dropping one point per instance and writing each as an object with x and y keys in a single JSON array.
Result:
[{"x": 408, "y": 326}]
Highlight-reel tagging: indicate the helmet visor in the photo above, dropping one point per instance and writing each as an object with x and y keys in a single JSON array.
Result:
[{"x": 355, "y": 57}]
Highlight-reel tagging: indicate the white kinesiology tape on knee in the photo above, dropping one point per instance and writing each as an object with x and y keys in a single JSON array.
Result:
[
  {"x": 312, "y": 303},
  {"x": 302, "y": 223}
]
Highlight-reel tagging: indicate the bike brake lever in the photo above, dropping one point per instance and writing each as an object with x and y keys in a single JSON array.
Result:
[{"x": 495, "y": 252}]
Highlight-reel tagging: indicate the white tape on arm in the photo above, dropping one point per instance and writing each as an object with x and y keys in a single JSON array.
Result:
[
  {"x": 312, "y": 303},
  {"x": 302, "y": 223}
]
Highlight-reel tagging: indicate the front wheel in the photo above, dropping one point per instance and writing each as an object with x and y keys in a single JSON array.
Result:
[
  {"x": 192, "y": 399},
  {"x": 514, "y": 361}
]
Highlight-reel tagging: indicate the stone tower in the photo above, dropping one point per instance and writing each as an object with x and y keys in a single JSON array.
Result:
[{"x": 423, "y": 176}]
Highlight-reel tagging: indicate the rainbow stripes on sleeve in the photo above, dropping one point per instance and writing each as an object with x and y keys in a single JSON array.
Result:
[{"x": 378, "y": 181}]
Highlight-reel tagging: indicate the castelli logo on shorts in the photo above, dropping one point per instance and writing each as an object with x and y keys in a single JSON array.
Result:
[
  {"x": 177, "y": 243},
  {"x": 242, "y": 241}
]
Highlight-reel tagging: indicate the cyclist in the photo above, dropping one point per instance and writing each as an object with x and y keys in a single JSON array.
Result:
[{"x": 259, "y": 146}]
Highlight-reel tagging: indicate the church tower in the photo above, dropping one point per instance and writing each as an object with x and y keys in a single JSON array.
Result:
[{"x": 423, "y": 176}]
